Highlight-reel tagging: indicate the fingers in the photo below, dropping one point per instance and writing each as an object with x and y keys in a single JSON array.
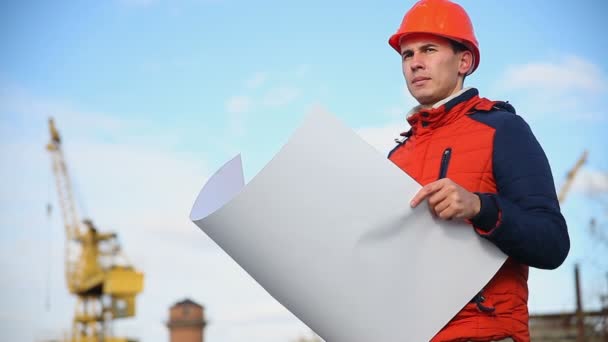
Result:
[
  {"x": 423, "y": 193},
  {"x": 441, "y": 198},
  {"x": 444, "y": 204},
  {"x": 448, "y": 213},
  {"x": 429, "y": 190},
  {"x": 440, "y": 209},
  {"x": 446, "y": 199}
]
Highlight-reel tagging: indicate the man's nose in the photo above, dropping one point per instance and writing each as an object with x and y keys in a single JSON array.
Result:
[{"x": 417, "y": 61}]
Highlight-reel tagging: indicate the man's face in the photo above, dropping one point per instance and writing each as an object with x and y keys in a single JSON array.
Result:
[{"x": 431, "y": 68}]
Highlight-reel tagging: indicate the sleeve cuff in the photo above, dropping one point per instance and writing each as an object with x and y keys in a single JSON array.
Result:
[{"x": 488, "y": 218}]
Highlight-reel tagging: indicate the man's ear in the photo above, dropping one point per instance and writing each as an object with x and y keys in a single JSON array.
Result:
[{"x": 465, "y": 63}]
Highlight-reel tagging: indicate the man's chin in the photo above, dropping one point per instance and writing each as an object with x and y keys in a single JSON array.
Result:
[{"x": 424, "y": 99}]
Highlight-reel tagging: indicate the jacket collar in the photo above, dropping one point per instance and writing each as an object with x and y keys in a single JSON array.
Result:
[
  {"x": 448, "y": 110},
  {"x": 419, "y": 108}
]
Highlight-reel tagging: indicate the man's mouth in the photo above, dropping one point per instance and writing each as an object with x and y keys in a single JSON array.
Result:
[{"x": 419, "y": 80}]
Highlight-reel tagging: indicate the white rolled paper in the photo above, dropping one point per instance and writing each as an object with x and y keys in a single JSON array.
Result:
[{"x": 326, "y": 228}]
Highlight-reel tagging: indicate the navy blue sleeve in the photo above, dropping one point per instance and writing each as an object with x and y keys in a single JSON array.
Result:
[{"x": 524, "y": 218}]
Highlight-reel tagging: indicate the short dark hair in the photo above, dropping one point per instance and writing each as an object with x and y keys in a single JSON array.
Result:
[{"x": 457, "y": 46}]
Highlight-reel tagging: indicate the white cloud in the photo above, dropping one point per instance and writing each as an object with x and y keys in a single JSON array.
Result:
[
  {"x": 257, "y": 80},
  {"x": 554, "y": 88},
  {"x": 280, "y": 96},
  {"x": 236, "y": 107},
  {"x": 238, "y": 104},
  {"x": 383, "y": 137},
  {"x": 591, "y": 182},
  {"x": 17, "y": 102},
  {"x": 568, "y": 74},
  {"x": 261, "y": 94}
]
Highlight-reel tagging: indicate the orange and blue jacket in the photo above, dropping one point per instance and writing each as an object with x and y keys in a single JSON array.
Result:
[{"x": 486, "y": 148}]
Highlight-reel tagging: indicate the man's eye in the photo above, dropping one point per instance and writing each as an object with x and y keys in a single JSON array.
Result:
[
  {"x": 406, "y": 56},
  {"x": 429, "y": 49}
]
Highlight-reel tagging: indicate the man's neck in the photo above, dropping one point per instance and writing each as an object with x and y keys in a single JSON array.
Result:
[{"x": 438, "y": 104}]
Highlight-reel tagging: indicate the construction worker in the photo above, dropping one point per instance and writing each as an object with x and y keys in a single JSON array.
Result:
[{"x": 478, "y": 162}]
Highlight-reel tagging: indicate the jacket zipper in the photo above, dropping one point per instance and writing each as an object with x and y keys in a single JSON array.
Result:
[{"x": 445, "y": 162}]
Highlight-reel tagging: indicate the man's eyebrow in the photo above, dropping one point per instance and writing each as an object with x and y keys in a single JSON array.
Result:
[
  {"x": 421, "y": 47},
  {"x": 427, "y": 45},
  {"x": 406, "y": 52}
]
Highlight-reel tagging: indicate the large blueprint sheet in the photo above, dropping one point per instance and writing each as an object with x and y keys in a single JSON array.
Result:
[{"x": 326, "y": 228}]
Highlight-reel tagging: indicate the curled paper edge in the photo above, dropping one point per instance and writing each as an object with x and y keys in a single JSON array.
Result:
[{"x": 224, "y": 185}]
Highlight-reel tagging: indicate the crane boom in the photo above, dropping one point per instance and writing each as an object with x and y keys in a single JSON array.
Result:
[{"x": 69, "y": 213}]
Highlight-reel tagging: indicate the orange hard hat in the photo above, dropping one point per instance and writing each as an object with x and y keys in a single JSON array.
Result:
[{"x": 443, "y": 18}]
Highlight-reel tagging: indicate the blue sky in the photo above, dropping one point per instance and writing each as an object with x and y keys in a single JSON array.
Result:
[{"x": 152, "y": 96}]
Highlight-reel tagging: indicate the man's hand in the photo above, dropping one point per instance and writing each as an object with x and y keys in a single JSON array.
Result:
[{"x": 448, "y": 200}]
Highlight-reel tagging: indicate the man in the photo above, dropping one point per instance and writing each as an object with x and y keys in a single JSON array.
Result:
[{"x": 478, "y": 162}]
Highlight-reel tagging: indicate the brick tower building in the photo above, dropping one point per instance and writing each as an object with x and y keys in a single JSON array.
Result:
[{"x": 186, "y": 322}]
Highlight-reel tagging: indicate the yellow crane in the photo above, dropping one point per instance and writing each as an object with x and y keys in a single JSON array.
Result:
[
  {"x": 96, "y": 271},
  {"x": 570, "y": 176}
]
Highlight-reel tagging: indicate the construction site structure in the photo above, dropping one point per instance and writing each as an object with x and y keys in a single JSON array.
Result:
[
  {"x": 186, "y": 322},
  {"x": 96, "y": 271},
  {"x": 579, "y": 325},
  {"x": 575, "y": 326}
]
